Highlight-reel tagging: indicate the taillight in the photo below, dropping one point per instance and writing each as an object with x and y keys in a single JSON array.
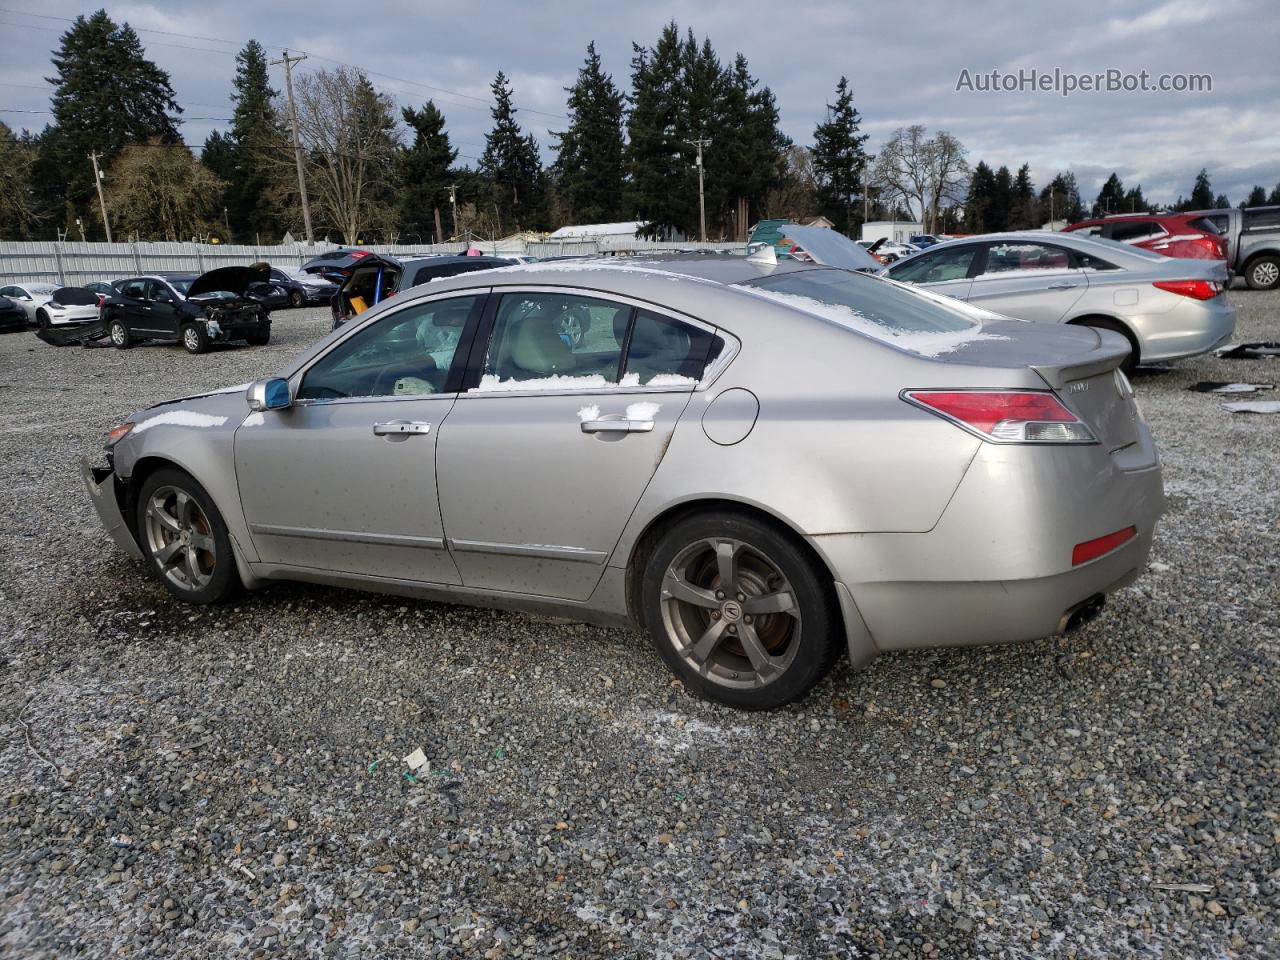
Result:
[
  {"x": 1093, "y": 549},
  {"x": 1195, "y": 289},
  {"x": 1005, "y": 416}
]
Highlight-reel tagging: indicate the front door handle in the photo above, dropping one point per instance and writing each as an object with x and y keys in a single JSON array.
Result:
[
  {"x": 399, "y": 428},
  {"x": 1062, "y": 286},
  {"x": 617, "y": 426}
]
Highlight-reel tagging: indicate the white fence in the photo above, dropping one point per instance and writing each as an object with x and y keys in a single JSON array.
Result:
[{"x": 73, "y": 264}]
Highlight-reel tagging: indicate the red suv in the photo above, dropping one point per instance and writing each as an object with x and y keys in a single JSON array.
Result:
[{"x": 1188, "y": 235}]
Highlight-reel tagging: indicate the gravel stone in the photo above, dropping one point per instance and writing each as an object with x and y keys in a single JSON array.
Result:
[{"x": 225, "y": 781}]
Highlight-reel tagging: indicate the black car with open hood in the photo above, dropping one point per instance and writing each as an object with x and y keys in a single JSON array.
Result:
[{"x": 195, "y": 310}]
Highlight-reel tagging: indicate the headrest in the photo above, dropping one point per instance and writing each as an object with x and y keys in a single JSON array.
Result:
[{"x": 537, "y": 346}]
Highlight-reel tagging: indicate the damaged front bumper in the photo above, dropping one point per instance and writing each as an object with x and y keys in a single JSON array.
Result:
[{"x": 101, "y": 483}]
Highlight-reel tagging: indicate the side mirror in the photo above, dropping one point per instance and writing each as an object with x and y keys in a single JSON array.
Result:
[{"x": 269, "y": 394}]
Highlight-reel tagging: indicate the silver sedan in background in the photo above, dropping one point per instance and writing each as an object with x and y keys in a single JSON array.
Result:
[
  {"x": 1166, "y": 307},
  {"x": 763, "y": 463}
]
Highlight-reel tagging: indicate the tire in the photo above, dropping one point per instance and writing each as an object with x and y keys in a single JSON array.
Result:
[
  {"x": 121, "y": 339},
  {"x": 1263, "y": 273},
  {"x": 296, "y": 299},
  {"x": 194, "y": 339},
  {"x": 184, "y": 539},
  {"x": 42, "y": 320},
  {"x": 1130, "y": 363},
  {"x": 259, "y": 338},
  {"x": 702, "y": 631}
]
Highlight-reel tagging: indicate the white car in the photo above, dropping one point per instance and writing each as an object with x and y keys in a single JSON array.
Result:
[{"x": 43, "y": 309}]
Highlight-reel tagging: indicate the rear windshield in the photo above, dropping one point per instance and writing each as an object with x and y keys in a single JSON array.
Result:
[{"x": 1205, "y": 224}]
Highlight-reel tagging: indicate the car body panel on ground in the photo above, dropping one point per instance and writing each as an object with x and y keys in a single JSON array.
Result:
[{"x": 554, "y": 472}]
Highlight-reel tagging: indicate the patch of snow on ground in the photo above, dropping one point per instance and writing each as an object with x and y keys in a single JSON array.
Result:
[
  {"x": 925, "y": 343},
  {"x": 180, "y": 418}
]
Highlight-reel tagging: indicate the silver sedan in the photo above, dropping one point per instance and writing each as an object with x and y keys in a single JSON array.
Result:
[
  {"x": 1166, "y": 307},
  {"x": 763, "y": 464}
]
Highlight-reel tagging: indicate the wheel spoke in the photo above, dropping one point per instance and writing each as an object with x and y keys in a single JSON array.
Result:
[
  {"x": 726, "y": 555},
  {"x": 701, "y": 651},
  {"x": 676, "y": 587},
  {"x": 164, "y": 518},
  {"x": 764, "y": 665},
  {"x": 202, "y": 541},
  {"x": 166, "y": 554},
  {"x": 194, "y": 576},
  {"x": 185, "y": 508},
  {"x": 783, "y": 601}
]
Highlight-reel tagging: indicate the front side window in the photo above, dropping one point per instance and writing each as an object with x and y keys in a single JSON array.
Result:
[
  {"x": 936, "y": 267},
  {"x": 409, "y": 353},
  {"x": 555, "y": 341},
  {"x": 1004, "y": 258},
  {"x": 134, "y": 289}
]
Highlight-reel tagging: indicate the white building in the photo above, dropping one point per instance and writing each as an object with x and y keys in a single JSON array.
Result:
[
  {"x": 899, "y": 231},
  {"x": 626, "y": 230}
]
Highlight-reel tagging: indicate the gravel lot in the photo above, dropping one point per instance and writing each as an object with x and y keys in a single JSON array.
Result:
[{"x": 227, "y": 781}]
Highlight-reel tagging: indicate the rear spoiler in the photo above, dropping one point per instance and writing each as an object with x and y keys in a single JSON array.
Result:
[{"x": 1110, "y": 353}]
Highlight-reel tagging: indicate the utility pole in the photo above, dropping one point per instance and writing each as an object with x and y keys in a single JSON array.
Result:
[
  {"x": 288, "y": 63},
  {"x": 102, "y": 203},
  {"x": 453, "y": 205},
  {"x": 702, "y": 201}
]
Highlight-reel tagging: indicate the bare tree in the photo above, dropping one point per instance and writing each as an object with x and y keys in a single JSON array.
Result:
[
  {"x": 349, "y": 136},
  {"x": 795, "y": 198},
  {"x": 18, "y": 213},
  {"x": 160, "y": 190},
  {"x": 923, "y": 172}
]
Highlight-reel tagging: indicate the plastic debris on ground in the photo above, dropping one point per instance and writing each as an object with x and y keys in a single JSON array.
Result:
[
  {"x": 1255, "y": 350},
  {"x": 1221, "y": 386},
  {"x": 1253, "y": 406},
  {"x": 415, "y": 760}
]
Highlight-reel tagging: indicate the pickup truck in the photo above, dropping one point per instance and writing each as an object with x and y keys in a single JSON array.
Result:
[{"x": 1253, "y": 243}]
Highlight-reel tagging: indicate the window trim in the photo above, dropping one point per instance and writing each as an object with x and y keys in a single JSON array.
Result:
[
  {"x": 465, "y": 345},
  {"x": 480, "y": 345}
]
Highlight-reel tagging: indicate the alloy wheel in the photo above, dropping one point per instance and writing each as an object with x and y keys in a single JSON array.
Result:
[
  {"x": 729, "y": 610},
  {"x": 191, "y": 339},
  {"x": 1266, "y": 273},
  {"x": 180, "y": 538},
  {"x": 117, "y": 334}
]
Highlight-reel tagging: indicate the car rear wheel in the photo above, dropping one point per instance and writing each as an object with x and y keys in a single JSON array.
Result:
[
  {"x": 120, "y": 338},
  {"x": 194, "y": 339},
  {"x": 296, "y": 298},
  {"x": 185, "y": 539},
  {"x": 1263, "y": 273},
  {"x": 739, "y": 611},
  {"x": 1130, "y": 363}
]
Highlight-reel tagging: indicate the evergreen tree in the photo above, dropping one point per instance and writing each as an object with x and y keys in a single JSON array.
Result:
[
  {"x": 1060, "y": 200},
  {"x": 764, "y": 156},
  {"x": 107, "y": 94},
  {"x": 656, "y": 159},
  {"x": 19, "y": 208},
  {"x": 1201, "y": 193},
  {"x": 512, "y": 166},
  {"x": 259, "y": 138},
  {"x": 839, "y": 159},
  {"x": 1134, "y": 201},
  {"x": 1000, "y": 211},
  {"x": 424, "y": 171},
  {"x": 1274, "y": 198},
  {"x": 588, "y": 169},
  {"x": 1025, "y": 211},
  {"x": 1110, "y": 197},
  {"x": 1257, "y": 198},
  {"x": 1220, "y": 202},
  {"x": 978, "y": 204}
]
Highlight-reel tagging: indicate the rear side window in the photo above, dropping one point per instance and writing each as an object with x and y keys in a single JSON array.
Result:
[
  {"x": 1015, "y": 257},
  {"x": 863, "y": 303},
  {"x": 555, "y": 341},
  {"x": 662, "y": 352},
  {"x": 1262, "y": 219},
  {"x": 133, "y": 288},
  {"x": 1136, "y": 232},
  {"x": 1205, "y": 224}
]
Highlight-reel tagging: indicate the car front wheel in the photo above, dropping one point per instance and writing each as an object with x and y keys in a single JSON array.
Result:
[
  {"x": 185, "y": 539},
  {"x": 296, "y": 298},
  {"x": 194, "y": 339},
  {"x": 739, "y": 611},
  {"x": 258, "y": 338}
]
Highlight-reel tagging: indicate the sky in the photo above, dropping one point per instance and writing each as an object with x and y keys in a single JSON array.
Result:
[{"x": 904, "y": 62}]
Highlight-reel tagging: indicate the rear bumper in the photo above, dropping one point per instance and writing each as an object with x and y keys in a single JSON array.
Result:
[
  {"x": 1190, "y": 329},
  {"x": 101, "y": 484},
  {"x": 997, "y": 566}
]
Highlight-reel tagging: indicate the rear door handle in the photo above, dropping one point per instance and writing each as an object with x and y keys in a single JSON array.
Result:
[
  {"x": 617, "y": 426},
  {"x": 1062, "y": 286},
  {"x": 397, "y": 428}
]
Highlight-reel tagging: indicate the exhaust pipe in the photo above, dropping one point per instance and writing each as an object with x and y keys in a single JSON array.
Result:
[{"x": 1077, "y": 616}]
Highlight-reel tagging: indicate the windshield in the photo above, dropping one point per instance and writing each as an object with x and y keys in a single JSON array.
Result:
[
  {"x": 182, "y": 286},
  {"x": 854, "y": 299}
]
